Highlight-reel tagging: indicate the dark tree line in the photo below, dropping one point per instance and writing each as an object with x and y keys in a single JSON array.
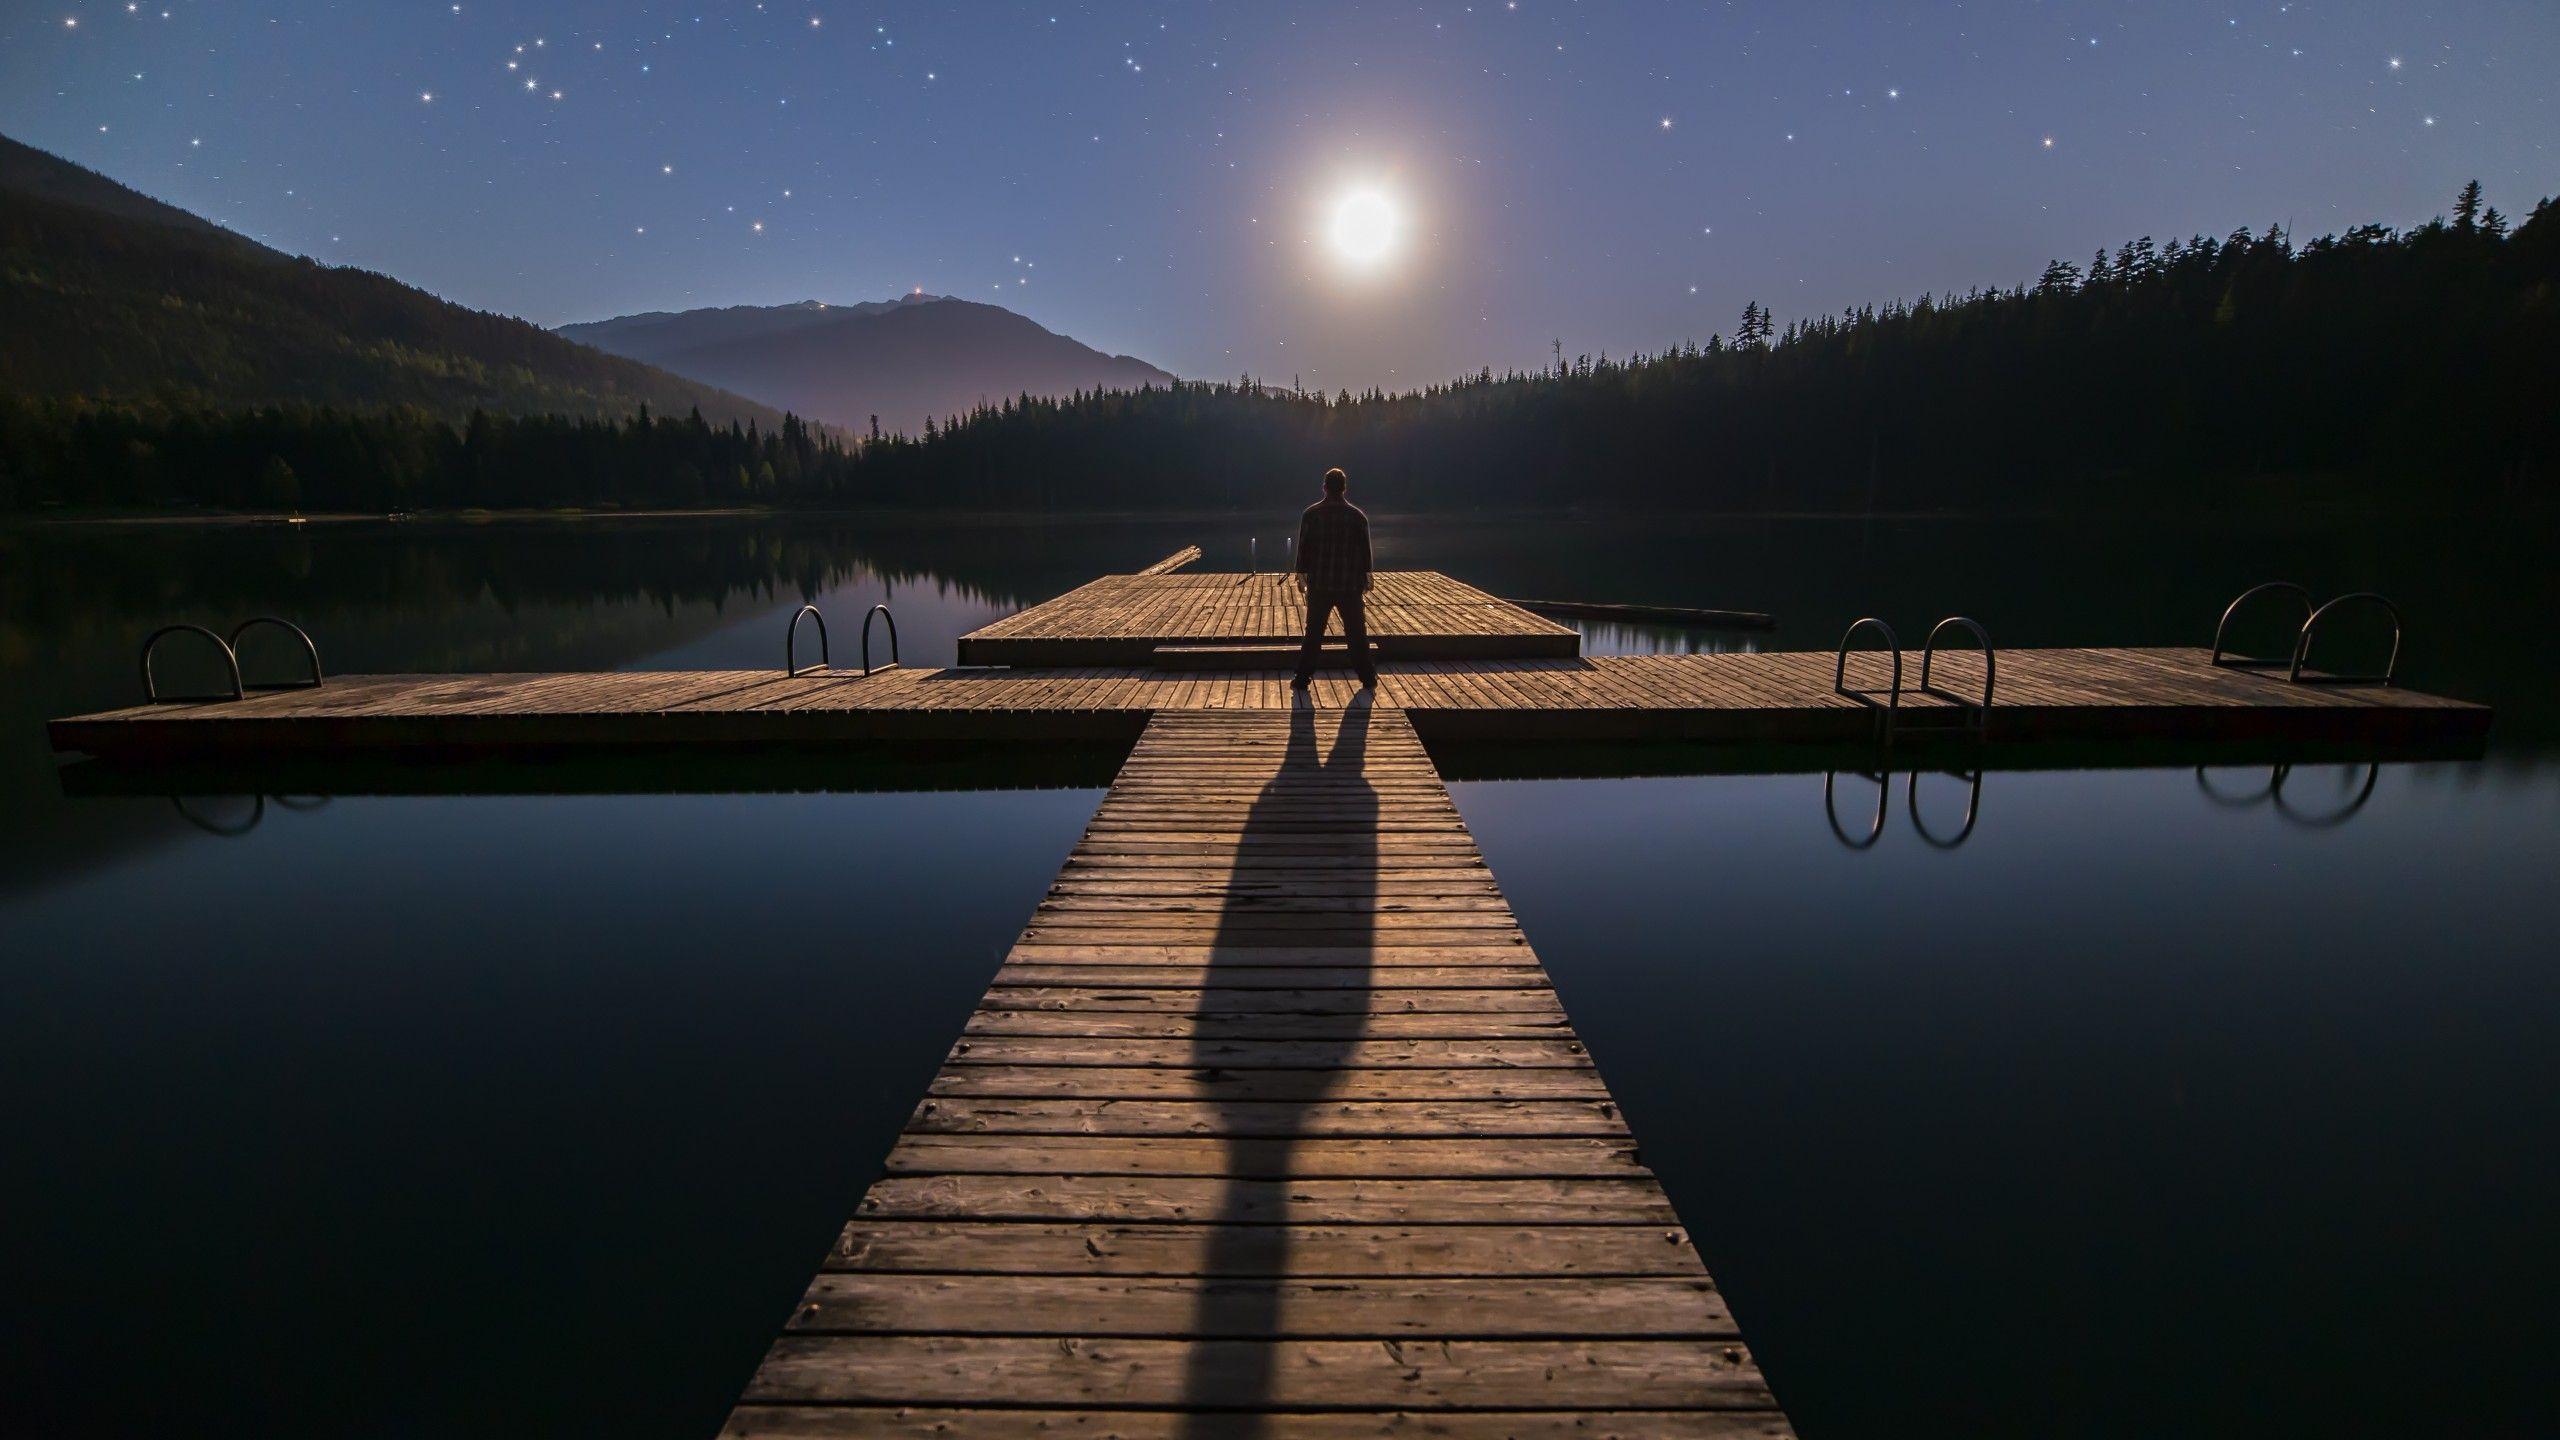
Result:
[
  {"x": 320, "y": 458},
  {"x": 2423, "y": 364}
]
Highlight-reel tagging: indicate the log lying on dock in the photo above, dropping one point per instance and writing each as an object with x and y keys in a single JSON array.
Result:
[
  {"x": 1650, "y": 614},
  {"x": 1174, "y": 561}
]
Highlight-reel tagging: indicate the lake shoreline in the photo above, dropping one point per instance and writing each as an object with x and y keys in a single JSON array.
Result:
[{"x": 2353, "y": 508}]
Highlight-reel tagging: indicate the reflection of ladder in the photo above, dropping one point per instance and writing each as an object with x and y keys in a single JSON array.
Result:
[
  {"x": 1960, "y": 713},
  {"x": 1883, "y": 781},
  {"x": 2312, "y": 615},
  {"x": 2272, "y": 794}
]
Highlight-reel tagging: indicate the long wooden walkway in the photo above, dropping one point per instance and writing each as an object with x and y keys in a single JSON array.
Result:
[
  {"x": 1270, "y": 1125},
  {"x": 2158, "y": 694}
]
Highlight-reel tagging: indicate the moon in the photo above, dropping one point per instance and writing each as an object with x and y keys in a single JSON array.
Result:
[{"x": 1365, "y": 228}]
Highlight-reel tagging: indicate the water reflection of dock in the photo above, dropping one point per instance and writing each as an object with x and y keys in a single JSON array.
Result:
[{"x": 1271, "y": 1122}]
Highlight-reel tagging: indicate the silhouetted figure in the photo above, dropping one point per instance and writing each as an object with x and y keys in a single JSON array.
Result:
[{"x": 1333, "y": 568}]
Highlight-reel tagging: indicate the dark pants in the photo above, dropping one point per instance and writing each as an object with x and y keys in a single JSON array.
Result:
[{"x": 1355, "y": 629}]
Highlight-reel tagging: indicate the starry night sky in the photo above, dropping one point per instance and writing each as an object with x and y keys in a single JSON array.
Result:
[{"x": 1152, "y": 179}]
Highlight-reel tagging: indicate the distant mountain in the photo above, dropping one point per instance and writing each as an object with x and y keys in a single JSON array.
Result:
[
  {"x": 901, "y": 360},
  {"x": 107, "y": 294},
  {"x": 656, "y": 332}
]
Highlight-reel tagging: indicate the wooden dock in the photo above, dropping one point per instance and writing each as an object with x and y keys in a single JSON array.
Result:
[
  {"x": 1781, "y": 696},
  {"x": 1123, "y": 619},
  {"x": 1269, "y": 1125}
]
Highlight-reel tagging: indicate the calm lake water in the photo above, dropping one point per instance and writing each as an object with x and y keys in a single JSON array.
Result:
[{"x": 2161, "y": 1104}]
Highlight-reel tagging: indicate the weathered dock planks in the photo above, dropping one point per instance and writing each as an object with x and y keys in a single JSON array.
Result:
[
  {"x": 1244, "y": 1140},
  {"x": 1781, "y": 696},
  {"x": 1122, "y": 619}
]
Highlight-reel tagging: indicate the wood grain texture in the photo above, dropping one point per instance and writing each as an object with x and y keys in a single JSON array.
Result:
[{"x": 1271, "y": 1116}]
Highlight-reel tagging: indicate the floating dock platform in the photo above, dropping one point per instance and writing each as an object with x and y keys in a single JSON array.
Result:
[
  {"x": 1777, "y": 696},
  {"x": 1270, "y": 1124},
  {"x": 1126, "y": 619}
]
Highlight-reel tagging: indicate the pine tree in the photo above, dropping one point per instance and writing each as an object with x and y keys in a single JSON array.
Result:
[
  {"x": 1755, "y": 327},
  {"x": 2466, "y": 208}
]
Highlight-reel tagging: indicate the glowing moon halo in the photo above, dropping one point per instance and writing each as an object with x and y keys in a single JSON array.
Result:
[{"x": 1365, "y": 227}]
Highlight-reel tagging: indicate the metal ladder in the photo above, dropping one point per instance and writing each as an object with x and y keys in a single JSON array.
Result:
[
  {"x": 1892, "y": 716},
  {"x": 2294, "y": 663}
]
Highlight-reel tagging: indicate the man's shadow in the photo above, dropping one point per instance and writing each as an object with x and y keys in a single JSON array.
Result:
[{"x": 1312, "y": 833}]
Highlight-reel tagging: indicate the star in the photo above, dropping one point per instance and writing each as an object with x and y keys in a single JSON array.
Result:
[
  {"x": 427, "y": 95},
  {"x": 1666, "y": 122},
  {"x": 1893, "y": 94},
  {"x": 2048, "y": 142},
  {"x": 2395, "y": 62}
]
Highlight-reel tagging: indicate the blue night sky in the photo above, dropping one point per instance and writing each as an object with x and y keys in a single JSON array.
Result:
[{"x": 1161, "y": 179}]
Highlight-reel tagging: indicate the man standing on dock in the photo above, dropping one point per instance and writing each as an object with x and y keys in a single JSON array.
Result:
[{"x": 1333, "y": 568}]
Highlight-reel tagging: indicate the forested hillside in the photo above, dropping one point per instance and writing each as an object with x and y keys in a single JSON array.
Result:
[
  {"x": 2427, "y": 362},
  {"x": 2420, "y": 366},
  {"x": 107, "y": 295}
]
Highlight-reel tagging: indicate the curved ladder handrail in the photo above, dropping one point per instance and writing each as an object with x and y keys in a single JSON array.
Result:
[
  {"x": 1875, "y": 831},
  {"x": 1840, "y": 675},
  {"x": 2302, "y": 646},
  {"x": 879, "y": 612},
  {"x": 1840, "y": 660},
  {"x": 791, "y": 644},
  {"x": 2223, "y": 628},
  {"x": 151, "y": 688},
  {"x": 1972, "y": 811},
  {"x": 309, "y": 650},
  {"x": 1990, "y": 666}
]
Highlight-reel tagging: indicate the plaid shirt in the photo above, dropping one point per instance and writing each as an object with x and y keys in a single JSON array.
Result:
[{"x": 1333, "y": 546}]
